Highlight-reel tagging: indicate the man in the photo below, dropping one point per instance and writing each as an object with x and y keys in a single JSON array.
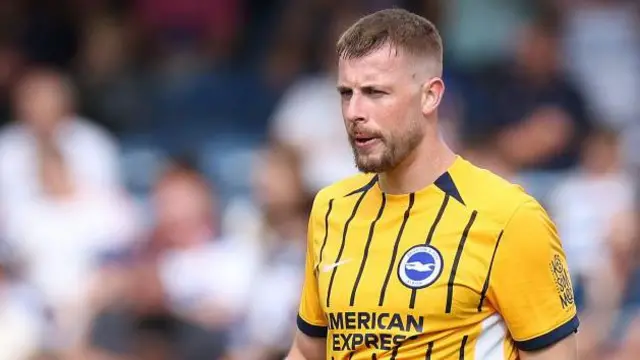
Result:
[
  {"x": 44, "y": 103},
  {"x": 423, "y": 256}
]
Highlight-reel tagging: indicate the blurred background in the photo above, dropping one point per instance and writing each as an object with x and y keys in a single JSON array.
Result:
[{"x": 158, "y": 159}]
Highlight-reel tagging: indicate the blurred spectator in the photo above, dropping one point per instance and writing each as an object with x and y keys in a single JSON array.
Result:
[
  {"x": 59, "y": 190},
  {"x": 541, "y": 116},
  {"x": 188, "y": 218},
  {"x": 603, "y": 54},
  {"x": 109, "y": 77},
  {"x": 592, "y": 209},
  {"x": 44, "y": 107},
  {"x": 284, "y": 205},
  {"x": 585, "y": 204},
  {"x": 286, "y": 55},
  {"x": 481, "y": 149},
  {"x": 309, "y": 119},
  {"x": 196, "y": 282},
  {"x": 62, "y": 235},
  {"x": 624, "y": 339},
  {"x": 599, "y": 35}
]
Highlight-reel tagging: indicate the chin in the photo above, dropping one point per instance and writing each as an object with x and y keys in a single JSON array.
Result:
[
  {"x": 373, "y": 161},
  {"x": 368, "y": 166}
]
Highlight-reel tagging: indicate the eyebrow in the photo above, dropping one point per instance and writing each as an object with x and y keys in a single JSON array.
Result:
[{"x": 363, "y": 87}]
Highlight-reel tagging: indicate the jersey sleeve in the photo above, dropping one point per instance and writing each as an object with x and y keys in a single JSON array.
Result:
[
  {"x": 530, "y": 284},
  {"x": 311, "y": 320}
]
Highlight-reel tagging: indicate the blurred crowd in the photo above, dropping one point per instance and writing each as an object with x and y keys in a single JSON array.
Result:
[{"x": 158, "y": 159}]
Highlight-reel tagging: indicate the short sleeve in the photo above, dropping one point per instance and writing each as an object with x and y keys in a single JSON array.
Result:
[
  {"x": 311, "y": 320},
  {"x": 530, "y": 284}
]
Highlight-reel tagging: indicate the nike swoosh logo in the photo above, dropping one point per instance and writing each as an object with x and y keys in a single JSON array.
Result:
[{"x": 329, "y": 267}]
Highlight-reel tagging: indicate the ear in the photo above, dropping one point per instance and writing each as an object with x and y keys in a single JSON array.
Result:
[{"x": 432, "y": 92}]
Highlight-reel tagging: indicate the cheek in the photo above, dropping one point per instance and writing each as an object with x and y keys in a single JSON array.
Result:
[
  {"x": 385, "y": 111},
  {"x": 394, "y": 117}
]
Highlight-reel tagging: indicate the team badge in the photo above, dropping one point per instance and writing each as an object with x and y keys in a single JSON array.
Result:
[
  {"x": 420, "y": 266},
  {"x": 563, "y": 281}
]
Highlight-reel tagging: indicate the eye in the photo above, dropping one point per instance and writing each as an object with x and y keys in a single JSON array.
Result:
[
  {"x": 373, "y": 92},
  {"x": 345, "y": 93}
]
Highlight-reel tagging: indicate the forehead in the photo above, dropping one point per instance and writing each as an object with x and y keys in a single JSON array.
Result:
[
  {"x": 41, "y": 85},
  {"x": 382, "y": 65}
]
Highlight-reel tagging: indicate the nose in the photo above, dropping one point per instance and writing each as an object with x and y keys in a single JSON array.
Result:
[{"x": 353, "y": 110}]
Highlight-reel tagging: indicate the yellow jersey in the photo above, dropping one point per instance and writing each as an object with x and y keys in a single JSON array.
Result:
[{"x": 470, "y": 267}]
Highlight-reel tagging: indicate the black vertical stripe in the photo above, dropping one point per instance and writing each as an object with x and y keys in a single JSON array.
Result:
[
  {"x": 456, "y": 261},
  {"x": 396, "y": 349},
  {"x": 443, "y": 207},
  {"x": 429, "y": 351},
  {"x": 366, "y": 250},
  {"x": 374, "y": 356},
  {"x": 485, "y": 287},
  {"x": 462, "y": 346},
  {"x": 344, "y": 240},
  {"x": 351, "y": 355},
  {"x": 326, "y": 230},
  {"x": 432, "y": 231},
  {"x": 407, "y": 212},
  {"x": 365, "y": 188}
]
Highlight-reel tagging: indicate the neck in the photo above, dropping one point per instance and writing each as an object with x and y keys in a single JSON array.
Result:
[
  {"x": 191, "y": 237},
  {"x": 420, "y": 169}
]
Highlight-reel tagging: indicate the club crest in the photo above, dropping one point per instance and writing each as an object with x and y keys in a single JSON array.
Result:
[{"x": 420, "y": 266}]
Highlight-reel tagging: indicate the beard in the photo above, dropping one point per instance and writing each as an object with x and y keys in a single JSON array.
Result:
[{"x": 393, "y": 149}]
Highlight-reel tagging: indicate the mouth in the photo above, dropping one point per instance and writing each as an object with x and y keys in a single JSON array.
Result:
[{"x": 364, "y": 141}]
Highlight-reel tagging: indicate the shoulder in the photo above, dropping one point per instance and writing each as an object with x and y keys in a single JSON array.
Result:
[
  {"x": 492, "y": 195},
  {"x": 12, "y": 133},
  {"x": 524, "y": 225},
  {"x": 91, "y": 131},
  {"x": 15, "y": 143},
  {"x": 341, "y": 189}
]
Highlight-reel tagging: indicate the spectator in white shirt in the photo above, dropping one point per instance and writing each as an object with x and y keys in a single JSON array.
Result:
[
  {"x": 187, "y": 282},
  {"x": 593, "y": 209},
  {"x": 44, "y": 110},
  {"x": 62, "y": 210},
  {"x": 308, "y": 118}
]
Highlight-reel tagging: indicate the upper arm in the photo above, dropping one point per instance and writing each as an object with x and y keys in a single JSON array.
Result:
[
  {"x": 312, "y": 320},
  {"x": 107, "y": 155},
  {"x": 530, "y": 284},
  {"x": 307, "y": 348},
  {"x": 310, "y": 339},
  {"x": 565, "y": 349}
]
